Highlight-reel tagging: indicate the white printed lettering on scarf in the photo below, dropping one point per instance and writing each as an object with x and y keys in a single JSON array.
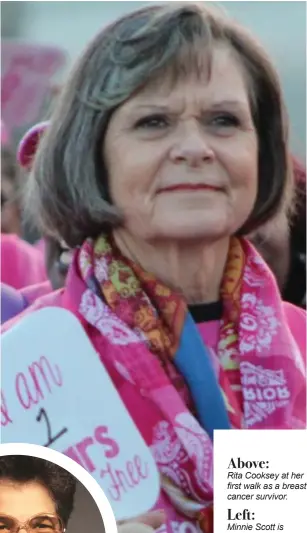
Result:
[
  {"x": 264, "y": 391},
  {"x": 257, "y": 331},
  {"x": 258, "y": 326}
]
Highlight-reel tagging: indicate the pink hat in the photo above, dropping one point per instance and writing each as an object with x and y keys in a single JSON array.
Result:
[{"x": 29, "y": 143}]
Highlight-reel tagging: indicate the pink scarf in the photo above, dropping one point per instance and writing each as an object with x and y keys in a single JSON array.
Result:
[{"x": 271, "y": 369}]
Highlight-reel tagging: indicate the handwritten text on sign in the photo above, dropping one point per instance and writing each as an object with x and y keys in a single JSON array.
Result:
[{"x": 56, "y": 393}]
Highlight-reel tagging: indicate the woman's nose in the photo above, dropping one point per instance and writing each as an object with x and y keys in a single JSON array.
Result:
[{"x": 192, "y": 147}]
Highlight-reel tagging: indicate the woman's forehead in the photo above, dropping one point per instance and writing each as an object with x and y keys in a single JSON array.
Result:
[
  {"x": 225, "y": 82},
  {"x": 29, "y": 498}
]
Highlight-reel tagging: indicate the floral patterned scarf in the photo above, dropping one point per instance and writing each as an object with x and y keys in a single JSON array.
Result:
[
  {"x": 258, "y": 363},
  {"x": 157, "y": 314}
]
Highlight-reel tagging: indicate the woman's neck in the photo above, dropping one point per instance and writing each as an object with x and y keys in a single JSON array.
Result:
[{"x": 194, "y": 269}]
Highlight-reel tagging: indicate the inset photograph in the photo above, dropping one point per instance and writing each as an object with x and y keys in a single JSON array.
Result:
[{"x": 39, "y": 496}]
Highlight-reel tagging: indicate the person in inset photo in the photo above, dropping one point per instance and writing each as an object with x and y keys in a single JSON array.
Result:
[
  {"x": 38, "y": 496},
  {"x": 35, "y": 495}
]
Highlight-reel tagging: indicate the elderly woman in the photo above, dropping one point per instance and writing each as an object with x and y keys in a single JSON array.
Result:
[
  {"x": 35, "y": 495},
  {"x": 39, "y": 496},
  {"x": 168, "y": 145}
]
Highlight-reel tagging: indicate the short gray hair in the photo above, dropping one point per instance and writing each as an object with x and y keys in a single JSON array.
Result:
[{"x": 67, "y": 192}]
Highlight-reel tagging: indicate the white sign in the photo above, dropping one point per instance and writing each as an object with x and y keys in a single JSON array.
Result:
[{"x": 56, "y": 393}]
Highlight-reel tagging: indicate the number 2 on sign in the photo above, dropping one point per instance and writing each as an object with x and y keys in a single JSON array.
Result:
[{"x": 42, "y": 415}]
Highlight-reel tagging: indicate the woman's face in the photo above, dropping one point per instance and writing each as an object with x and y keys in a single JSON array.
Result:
[
  {"x": 182, "y": 159},
  {"x": 25, "y": 500}
]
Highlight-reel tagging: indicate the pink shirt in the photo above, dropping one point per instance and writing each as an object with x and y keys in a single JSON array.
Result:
[
  {"x": 32, "y": 292},
  {"x": 21, "y": 263}
]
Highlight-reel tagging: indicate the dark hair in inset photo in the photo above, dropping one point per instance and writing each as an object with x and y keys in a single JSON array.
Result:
[
  {"x": 60, "y": 484},
  {"x": 67, "y": 194}
]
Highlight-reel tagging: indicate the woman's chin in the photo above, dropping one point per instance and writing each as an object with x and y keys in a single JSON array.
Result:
[{"x": 185, "y": 230}]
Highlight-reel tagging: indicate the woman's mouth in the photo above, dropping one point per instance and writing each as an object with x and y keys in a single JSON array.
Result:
[{"x": 189, "y": 187}]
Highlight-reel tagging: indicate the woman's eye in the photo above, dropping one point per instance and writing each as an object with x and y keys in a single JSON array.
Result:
[
  {"x": 43, "y": 528},
  {"x": 152, "y": 122},
  {"x": 225, "y": 121}
]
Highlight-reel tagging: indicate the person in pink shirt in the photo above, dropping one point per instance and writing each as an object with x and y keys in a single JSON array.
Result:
[
  {"x": 167, "y": 147},
  {"x": 21, "y": 263},
  {"x": 10, "y": 185},
  {"x": 24, "y": 268},
  {"x": 57, "y": 255}
]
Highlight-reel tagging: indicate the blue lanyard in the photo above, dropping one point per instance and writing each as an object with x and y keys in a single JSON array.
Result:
[{"x": 192, "y": 359}]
